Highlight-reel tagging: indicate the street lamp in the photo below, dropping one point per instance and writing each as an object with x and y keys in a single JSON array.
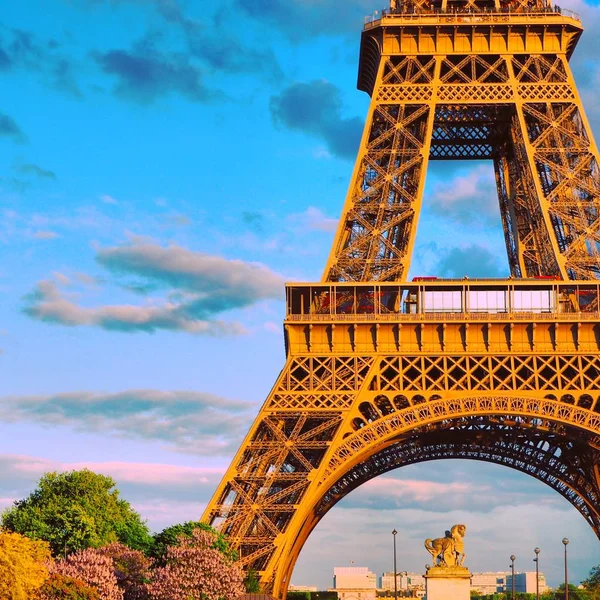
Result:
[
  {"x": 512, "y": 579},
  {"x": 536, "y": 560},
  {"x": 395, "y": 579},
  {"x": 565, "y": 542}
]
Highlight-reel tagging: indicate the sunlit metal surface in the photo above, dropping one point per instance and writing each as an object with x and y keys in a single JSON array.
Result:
[{"x": 382, "y": 372}]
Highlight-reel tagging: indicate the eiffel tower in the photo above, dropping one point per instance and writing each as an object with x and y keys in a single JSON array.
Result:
[{"x": 383, "y": 372}]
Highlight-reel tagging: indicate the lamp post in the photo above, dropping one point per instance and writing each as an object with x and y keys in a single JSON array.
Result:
[
  {"x": 512, "y": 578},
  {"x": 536, "y": 560},
  {"x": 395, "y": 577},
  {"x": 565, "y": 542}
]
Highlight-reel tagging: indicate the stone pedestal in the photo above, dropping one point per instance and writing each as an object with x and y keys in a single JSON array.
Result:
[{"x": 448, "y": 583}]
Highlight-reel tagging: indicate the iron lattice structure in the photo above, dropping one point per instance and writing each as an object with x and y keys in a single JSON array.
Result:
[{"x": 382, "y": 372}]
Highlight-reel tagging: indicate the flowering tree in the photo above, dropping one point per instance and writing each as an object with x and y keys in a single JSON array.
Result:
[
  {"x": 62, "y": 587},
  {"x": 131, "y": 568},
  {"x": 94, "y": 569},
  {"x": 23, "y": 566},
  {"x": 195, "y": 570},
  {"x": 171, "y": 536}
]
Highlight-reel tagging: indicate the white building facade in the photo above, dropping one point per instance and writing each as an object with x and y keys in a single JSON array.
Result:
[
  {"x": 488, "y": 583},
  {"x": 354, "y": 583},
  {"x": 405, "y": 581}
]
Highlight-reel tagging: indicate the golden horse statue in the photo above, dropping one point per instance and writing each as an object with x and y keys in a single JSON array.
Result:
[{"x": 448, "y": 551}]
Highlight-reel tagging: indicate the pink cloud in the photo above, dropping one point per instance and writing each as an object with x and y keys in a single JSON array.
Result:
[
  {"x": 415, "y": 489},
  {"x": 122, "y": 472}
]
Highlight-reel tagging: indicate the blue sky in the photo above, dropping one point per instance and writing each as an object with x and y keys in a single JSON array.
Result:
[{"x": 164, "y": 167}]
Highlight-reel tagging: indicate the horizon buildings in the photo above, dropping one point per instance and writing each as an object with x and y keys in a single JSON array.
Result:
[{"x": 360, "y": 583}]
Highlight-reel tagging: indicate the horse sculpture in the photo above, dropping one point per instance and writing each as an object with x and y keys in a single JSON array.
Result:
[{"x": 448, "y": 551}]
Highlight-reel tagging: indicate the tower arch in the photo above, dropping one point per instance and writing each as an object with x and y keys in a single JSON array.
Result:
[{"x": 561, "y": 450}]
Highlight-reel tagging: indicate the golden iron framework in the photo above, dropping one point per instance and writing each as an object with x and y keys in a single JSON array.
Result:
[{"x": 382, "y": 372}]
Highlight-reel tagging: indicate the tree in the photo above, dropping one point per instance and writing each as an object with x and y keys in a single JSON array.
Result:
[
  {"x": 592, "y": 583},
  {"x": 94, "y": 569},
  {"x": 171, "y": 536},
  {"x": 23, "y": 567},
  {"x": 77, "y": 510},
  {"x": 62, "y": 587},
  {"x": 131, "y": 568},
  {"x": 195, "y": 570},
  {"x": 575, "y": 593},
  {"x": 251, "y": 582}
]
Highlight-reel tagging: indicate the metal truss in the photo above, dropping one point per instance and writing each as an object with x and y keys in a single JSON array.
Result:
[
  {"x": 375, "y": 377},
  {"x": 520, "y": 110},
  {"x": 331, "y": 421}
]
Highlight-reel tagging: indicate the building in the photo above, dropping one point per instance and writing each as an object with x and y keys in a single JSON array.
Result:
[
  {"x": 405, "y": 581},
  {"x": 302, "y": 588},
  {"x": 525, "y": 582},
  {"x": 354, "y": 577},
  {"x": 354, "y": 583},
  {"x": 488, "y": 583}
]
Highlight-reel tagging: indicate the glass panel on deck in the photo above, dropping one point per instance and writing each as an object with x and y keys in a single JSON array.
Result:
[
  {"x": 442, "y": 301},
  {"x": 490, "y": 301},
  {"x": 299, "y": 300},
  {"x": 321, "y": 303},
  {"x": 588, "y": 298},
  {"x": 409, "y": 301},
  {"x": 388, "y": 300},
  {"x": 534, "y": 300},
  {"x": 365, "y": 301},
  {"x": 344, "y": 301}
]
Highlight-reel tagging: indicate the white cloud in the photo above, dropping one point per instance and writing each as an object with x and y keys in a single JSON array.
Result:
[
  {"x": 46, "y": 235},
  {"x": 469, "y": 197},
  {"x": 192, "y": 422},
  {"x": 49, "y": 304},
  {"x": 273, "y": 327},
  {"x": 198, "y": 287},
  {"x": 314, "y": 219}
]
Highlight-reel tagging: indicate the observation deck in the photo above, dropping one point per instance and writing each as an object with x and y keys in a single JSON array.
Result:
[
  {"x": 465, "y": 27},
  {"x": 437, "y": 316}
]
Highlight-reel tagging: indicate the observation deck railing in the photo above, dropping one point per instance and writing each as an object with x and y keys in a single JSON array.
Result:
[{"x": 482, "y": 15}]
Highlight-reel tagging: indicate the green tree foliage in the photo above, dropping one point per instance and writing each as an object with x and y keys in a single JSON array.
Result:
[
  {"x": 22, "y": 566},
  {"x": 298, "y": 596},
  {"x": 323, "y": 595},
  {"x": 172, "y": 536},
  {"x": 252, "y": 582},
  {"x": 575, "y": 593},
  {"x": 62, "y": 587},
  {"x": 592, "y": 583},
  {"x": 77, "y": 510}
]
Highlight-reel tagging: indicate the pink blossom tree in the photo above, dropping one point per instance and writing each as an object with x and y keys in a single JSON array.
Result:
[
  {"x": 131, "y": 568},
  {"x": 196, "y": 571},
  {"x": 94, "y": 569}
]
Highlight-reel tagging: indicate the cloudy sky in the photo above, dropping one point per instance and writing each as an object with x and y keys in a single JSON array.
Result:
[{"x": 165, "y": 165}]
